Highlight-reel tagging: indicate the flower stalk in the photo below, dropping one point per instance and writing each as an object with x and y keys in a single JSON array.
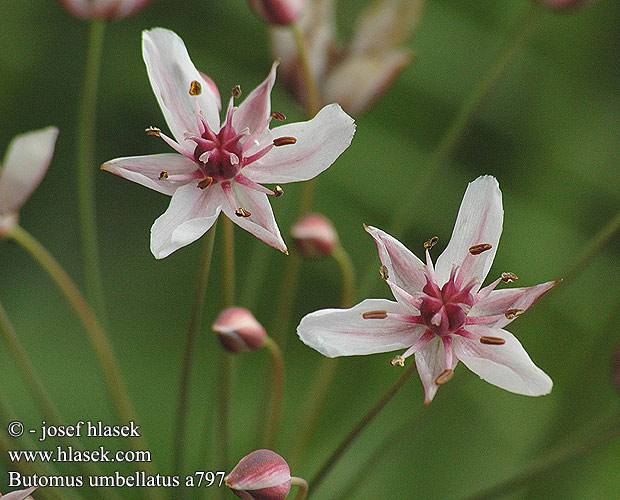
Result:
[
  {"x": 302, "y": 484},
  {"x": 85, "y": 163},
  {"x": 277, "y": 383}
]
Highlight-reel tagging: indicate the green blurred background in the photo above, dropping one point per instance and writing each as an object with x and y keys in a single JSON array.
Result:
[{"x": 549, "y": 131}]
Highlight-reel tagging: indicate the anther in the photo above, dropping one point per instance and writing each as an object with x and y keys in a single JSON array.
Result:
[
  {"x": 278, "y": 191},
  {"x": 397, "y": 361},
  {"x": 153, "y": 131},
  {"x": 276, "y": 115},
  {"x": 205, "y": 183},
  {"x": 431, "y": 243},
  {"x": 478, "y": 249},
  {"x": 444, "y": 377},
  {"x": 384, "y": 273},
  {"x": 195, "y": 88},
  {"x": 236, "y": 91},
  {"x": 283, "y": 141},
  {"x": 242, "y": 212},
  {"x": 513, "y": 313},
  {"x": 163, "y": 175},
  {"x": 508, "y": 277},
  {"x": 375, "y": 315},
  {"x": 492, "y": 341}
]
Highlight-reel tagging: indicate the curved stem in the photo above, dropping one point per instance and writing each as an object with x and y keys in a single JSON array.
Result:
[
  {"x": 361, "y": 425},
  {"x": 277, "y": 367},
  {"x": 347, "y": 274},
  {"x": 85, "y": 162},
  {"x": 46, "y": 406},
  {"x": 178, "y": 444},
  {"x": 313, "y": 98},
  {"x": 400, "y": 222},
  {"x": 600, "y": 431},
  {"x": 96, "y": 335},
  {"x": 302, "y": 484}
]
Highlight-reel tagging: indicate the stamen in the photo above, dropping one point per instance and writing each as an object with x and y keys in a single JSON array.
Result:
[
  {"x": 492, "y": 340},
  {"x": 205, "y": 183},
  {"x": 153, "y": 131},
  {"x": 242, "y": 212},
  {"x": 513, "y": 313},
  {"x": 242, "y": 179},
  {"x": 283, "y": 141},
  {"x": 397, "y": 361},
  {"x": 478, "y": 249},
  {"x": 163, "y": 175},
  {"x": 375, "y": 315},
  {"x": 444, "y": 377},
  {"x": 278, "y": 116},
  {"x": 384, "y": 273},
  {"x": 508, "y": 277},
  {"x": 195, "y": 88},
  {"x": 278, "y": 191},
  {"x": 236, "y": 91},
  {"x": 431, "y": 243}
]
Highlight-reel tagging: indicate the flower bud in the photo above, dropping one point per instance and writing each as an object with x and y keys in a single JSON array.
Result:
[
  {"x": 238, "y": 330},
  {"x": 564, "y": 4},
  {"x": 103, "y": 9},
  {"x": 261, "y": 475},
  {"x": 314, "y": 236},
  {"x": 278, "y": 12}
]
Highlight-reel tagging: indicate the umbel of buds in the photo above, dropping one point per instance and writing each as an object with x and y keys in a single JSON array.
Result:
[
  {"x": 103, "y": 9},
  {"x": 564, "y": 4},
  {"x": 261, "y": 475},
  {"x": 314, "y": 236},
  {"x": 278, "y": 12},
  {"x": 238, "y": 330}
]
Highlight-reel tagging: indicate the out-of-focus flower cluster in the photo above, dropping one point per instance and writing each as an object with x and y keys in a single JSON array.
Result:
[{"x": 103, "y": 9}]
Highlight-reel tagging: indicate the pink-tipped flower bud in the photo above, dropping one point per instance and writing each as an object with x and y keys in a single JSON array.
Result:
[
  {"x": 564, "y": 4},
  {"x": 278, "y": 12},
  {"x": 261, "y": 475},
  {"x": 103, "y": 9},
  {"x": 238, "y": 330},
  {"x": 314, "y": 236}
]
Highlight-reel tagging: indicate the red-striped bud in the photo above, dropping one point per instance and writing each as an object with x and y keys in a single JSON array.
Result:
[
  {"x": 238, "y": 330},
  {"x": 263, "y": 475}
]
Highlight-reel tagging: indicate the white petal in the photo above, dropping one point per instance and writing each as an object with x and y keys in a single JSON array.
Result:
[
  {"x": 507, "y": 366},
  {"x": 146, "y": 170},
  {"x": 19, "y": 494},
  {"x": 500, "y": 301},
  {"x": 25, "y": 163},
  {"x": 319, "y": 142},
  {"x": 191, "y": 213},
  {"x": 404, "y": 269},
  {"x": 262, "y": 222},
  {"x": 255, "y": 111},
  {"x": 429, "y": 362},
  {"x": 479, "y": 221},
  {"x": 171, "y": 72},
  {"x": 344, "y": 332}
]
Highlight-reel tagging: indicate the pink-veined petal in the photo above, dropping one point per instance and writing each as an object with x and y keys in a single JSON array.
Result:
[
  {"x": 405, "y": 270},
  {"x": 319, "y": 142},
  {"x": 479, "y": 221},
  {"x": 260, "y": 469},
  {"x": 507, "y": 366},
  {"x": 171, "y": 72},
  {"x": 261, "y": 223},
  {"x": 255, "y": 111},
  {"x": 429, "y": 361},
  {"x": 19, "y": 494},
  {"x": 147, "y": 170},
  {"x": 192, "y": 211},
  {"x": 500, "y": 301},
  {"x": 344, "y": 332},
  {"x": 25, "y": 163}
]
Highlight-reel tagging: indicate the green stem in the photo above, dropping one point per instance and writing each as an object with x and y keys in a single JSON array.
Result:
[
  {"x": 46, "y": 406},
  {"x": 400, "y": 222},
  {"x": 228, "y": 228},
  {"x": 347, "y": 275},
  {"x": 96, "y": 335},
  {"x": 313, "y": 98},
  {"x": 85, "y": 159},
  {"x": 361, "y": 425},
  {"x": 178, "y": 445},
  {"x": 302, "y": 484},
  {"x": 600, "y": 431},
  {"x": 286, "y": 299},
  {"x": 277, "y": 367}
]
